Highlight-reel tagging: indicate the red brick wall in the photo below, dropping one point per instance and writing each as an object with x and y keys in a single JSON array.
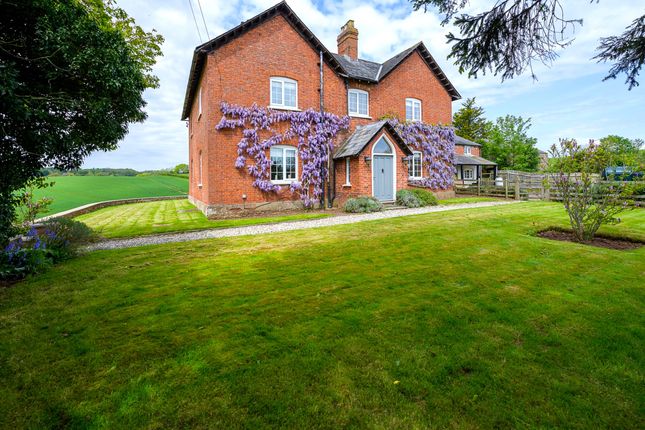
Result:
[
  {"x": 239, "y": 73},
  {"x": 474, "y": 150}
]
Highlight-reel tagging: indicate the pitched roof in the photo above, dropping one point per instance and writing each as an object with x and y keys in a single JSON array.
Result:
[
  {"x": 359, "y": 139},
  {"x": 362, "y": 70},
  {"x": 283, "y": 9},
  {"x": 461, "y": 141},
  {"x": 473, "y": 160}
]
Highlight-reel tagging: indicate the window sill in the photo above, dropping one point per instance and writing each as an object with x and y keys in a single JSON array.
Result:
[
  {"x": 414, "y": 178},
  {"x": 287, "y": 182},
  {"x": 284, "y": 108},
  {"x": 355, "y": 115}
]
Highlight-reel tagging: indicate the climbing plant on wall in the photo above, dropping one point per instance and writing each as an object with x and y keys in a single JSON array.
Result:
[
  {"x": 263, "y": 128},
  {"x": 437, "y": 144}
]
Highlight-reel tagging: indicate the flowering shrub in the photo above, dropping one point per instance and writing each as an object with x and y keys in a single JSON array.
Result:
[
  {"x": 589, "y": 202},
  {"x": 33, "y": 252},
  {"x": 24, "y": 256},
  {"x": 314, "y": 131},
  {"x": 363, "y": 205},
  {"x": 437, "y": 144}
]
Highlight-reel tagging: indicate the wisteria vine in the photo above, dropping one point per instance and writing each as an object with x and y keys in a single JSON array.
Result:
[
  {"x": 437, "y": 144},
  {"x": 315, "y": 132}
]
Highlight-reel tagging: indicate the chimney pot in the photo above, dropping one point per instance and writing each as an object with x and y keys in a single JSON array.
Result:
[{"x": 348, "y": 40}]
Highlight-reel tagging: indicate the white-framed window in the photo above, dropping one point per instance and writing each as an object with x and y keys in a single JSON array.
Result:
[
  {"x": 469, "y": 173},
  {"x": 358, "y": 103},
  {"x": 201, "y": 166},
  {"x": 199, "y": 103},
  {"x": 467, "y": 150},
  {"x": 284, "y": 164},
  {"x": 347, "y": 172},
  {"x": 413, "y": 110},
  {"x": 284, "y": 93},
  {"x": 414, "y": 168}
]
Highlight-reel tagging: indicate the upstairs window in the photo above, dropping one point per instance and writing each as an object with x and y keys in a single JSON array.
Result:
[
  {"x": 358, "y": 102},
  {"x": 467, "y": 150},
  {"x": 413, "y": 110},
  {"x": 284, "y": 166},
  {"x": 284, "y": 93},
  {"x": 414, "y": 168}
]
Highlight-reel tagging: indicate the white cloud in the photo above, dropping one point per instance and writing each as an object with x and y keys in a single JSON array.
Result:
[{"x": 567, "y": 100}]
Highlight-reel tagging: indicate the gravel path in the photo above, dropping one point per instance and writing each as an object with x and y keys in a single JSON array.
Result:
[{"x": 279, "y": 227}]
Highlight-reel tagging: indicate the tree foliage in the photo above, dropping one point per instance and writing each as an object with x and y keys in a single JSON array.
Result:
[
  {"x": 510, "y": 146},
  {"x": 469, "y": 122},
  {"x": 510, "y": 36},
  {"x": 72, "y": 76},
  {"x": 621, "y": 151}
]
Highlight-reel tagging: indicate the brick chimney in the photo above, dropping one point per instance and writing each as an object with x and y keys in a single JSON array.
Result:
[{"x": 348, "y": 40}]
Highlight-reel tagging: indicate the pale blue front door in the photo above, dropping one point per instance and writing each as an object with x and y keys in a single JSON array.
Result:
[{"x": 383, "y": 177}]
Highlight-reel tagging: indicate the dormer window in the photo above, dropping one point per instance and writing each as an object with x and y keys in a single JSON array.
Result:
[
  {"x": 284, "y": 93},
  {"x": 358, "y": 103},
  {"x": 467, "y": 150},
  {"x": 413, "y": 110}
]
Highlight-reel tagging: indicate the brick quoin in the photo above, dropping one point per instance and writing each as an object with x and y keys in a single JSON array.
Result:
[{"x": 238, "y": 73}]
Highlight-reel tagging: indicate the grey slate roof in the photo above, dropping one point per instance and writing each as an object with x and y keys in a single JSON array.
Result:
[
  {"x": 461, "y": 141},
  {"x": 359, "y": 69},
  {"x": 355, "y": 143},
  {"x": 473, "y": 160}
]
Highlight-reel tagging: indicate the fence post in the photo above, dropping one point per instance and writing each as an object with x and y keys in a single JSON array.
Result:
[
  {"x": 506, "y": 187},
  {"x": 479, "y": 182},
  {"x": 517, "y": 189}
]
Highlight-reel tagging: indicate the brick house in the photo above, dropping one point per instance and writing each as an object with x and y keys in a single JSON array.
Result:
[
  {"x": 274, "y": 60},
  {"x": 469, "y": 164}
]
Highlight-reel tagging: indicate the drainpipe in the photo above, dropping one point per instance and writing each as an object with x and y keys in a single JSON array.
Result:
[{"x": 322, "y": 109}]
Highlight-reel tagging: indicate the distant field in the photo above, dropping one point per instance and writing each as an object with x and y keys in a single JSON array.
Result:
[{"x": 71, "y": 191}]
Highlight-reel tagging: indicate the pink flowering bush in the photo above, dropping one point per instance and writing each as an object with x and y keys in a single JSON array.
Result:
[{"x": 314, "y": 131}]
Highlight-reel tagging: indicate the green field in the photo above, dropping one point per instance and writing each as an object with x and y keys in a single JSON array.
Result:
[
  {"x": 461, "y": 320},
  {"x": 169, "y": 216},
  {"x": 73, "y": 191}
]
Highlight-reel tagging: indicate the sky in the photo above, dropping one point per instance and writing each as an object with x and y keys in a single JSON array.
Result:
[{"x": 568, "y": 99}]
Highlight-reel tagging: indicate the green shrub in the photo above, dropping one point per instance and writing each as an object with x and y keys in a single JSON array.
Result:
[
  {"x": 425, "y": 196},
  {"x": 363, "y": 205},
  {"x": 64, "y": 236},
  {"x": 23, "y": 256},
  {"x": 408, "y": 199}
]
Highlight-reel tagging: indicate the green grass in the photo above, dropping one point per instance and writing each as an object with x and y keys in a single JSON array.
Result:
[
  {"x": 168, "y": 216},
  {"x": 461, "y": 200},
  {"x": 483, "y": 325},
  {"x": 72, "y": 191}
]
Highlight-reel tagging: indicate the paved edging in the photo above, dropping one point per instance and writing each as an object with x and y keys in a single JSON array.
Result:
[{"x": 279, "y": 227}]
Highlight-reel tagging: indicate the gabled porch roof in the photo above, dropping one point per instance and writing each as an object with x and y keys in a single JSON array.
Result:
[{"x": 363, "y": 135}]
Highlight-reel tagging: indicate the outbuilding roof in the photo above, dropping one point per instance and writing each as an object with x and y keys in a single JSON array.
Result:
[
  {"x": 473, "y": 160},
  {"x": 362, "y": 70},
  {"x": 363, "y": 135},
  {"x": 461, "y": 141}
]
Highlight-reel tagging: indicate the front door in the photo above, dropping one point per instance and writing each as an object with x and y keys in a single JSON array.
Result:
[{"x": 383, "y": 177}]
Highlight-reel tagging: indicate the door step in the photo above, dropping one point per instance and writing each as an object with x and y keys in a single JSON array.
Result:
[{"x": 392, "y": 207}]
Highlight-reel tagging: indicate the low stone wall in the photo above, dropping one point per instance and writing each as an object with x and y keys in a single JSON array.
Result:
[{"x": 71, "y": 213}]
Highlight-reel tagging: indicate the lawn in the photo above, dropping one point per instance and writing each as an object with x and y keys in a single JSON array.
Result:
[
  {"x": 168, "y": 216},
  {"x": 460, "y": 319},
  {"x": 72, "y": 191},
  {"x": 462, "y": 200}
]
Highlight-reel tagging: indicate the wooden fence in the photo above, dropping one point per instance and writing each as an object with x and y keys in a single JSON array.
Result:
[{"x": 516, "y": 185}]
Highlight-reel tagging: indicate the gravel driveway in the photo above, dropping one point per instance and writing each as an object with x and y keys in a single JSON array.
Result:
[{"x": 279, "y": 227}]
